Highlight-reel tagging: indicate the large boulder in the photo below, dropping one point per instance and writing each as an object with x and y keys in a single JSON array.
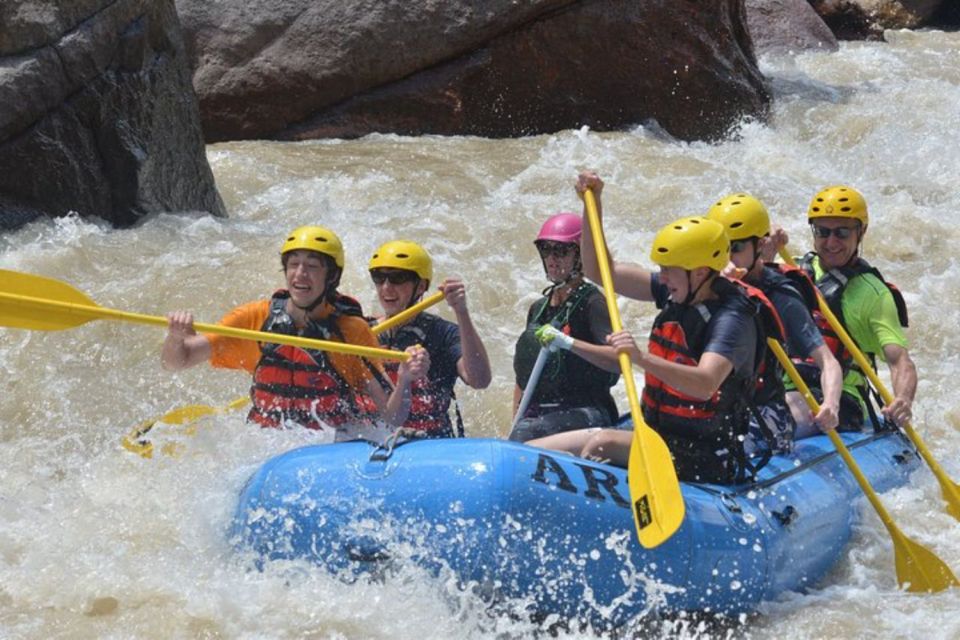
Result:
[
  {"x": 97, "y": 113},
  {"x": 780, "y": 26},
  {"x": 867, "y": 19},
  {"x": 293, "y": 69}
]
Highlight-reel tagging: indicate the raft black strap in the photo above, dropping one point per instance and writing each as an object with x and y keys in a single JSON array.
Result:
[
  {"x": 456, "y": 407},
  {"x": 765, "y": 484}
]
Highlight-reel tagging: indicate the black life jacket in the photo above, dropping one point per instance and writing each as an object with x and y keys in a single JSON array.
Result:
[
  {"x": 556, "y": 386},
  {"x": 832, "y": 284},
  {"x": 430, "y": 401},
  {"x": 792, "y": 280},
  {"x": 709, "y": 431},
  {"x": 294, "y": 384}
]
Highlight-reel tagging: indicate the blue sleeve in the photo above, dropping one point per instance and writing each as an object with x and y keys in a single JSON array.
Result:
[
  {"x": 802, "y": 334},
  {"x": 445, "y": 350},
  {"x": 733, "y": 335}
]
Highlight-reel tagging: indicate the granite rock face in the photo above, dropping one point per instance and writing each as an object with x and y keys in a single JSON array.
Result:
[
  {"x": 296, "y": 69},
  {"x": 780, "y": 26},
  {"x": 97, "y": 113}
]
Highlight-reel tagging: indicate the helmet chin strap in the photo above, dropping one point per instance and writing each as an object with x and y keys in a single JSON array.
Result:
[
  {"x": 414, "y": 298},
  {"x": 313, "y": 305},
  {"x": 316, "y": 303},
  {"x": 574, "y": 273},
  {"x": 691, "y": 292}
]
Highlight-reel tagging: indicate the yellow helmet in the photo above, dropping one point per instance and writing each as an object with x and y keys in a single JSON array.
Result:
[
  {"x": 312, "y": 238},
  {"x": 839, "y": 202},
  {"x": 402, "y": 254},
  {"x": 690, "y": 243},
  {"x": 742, "y": 215}
]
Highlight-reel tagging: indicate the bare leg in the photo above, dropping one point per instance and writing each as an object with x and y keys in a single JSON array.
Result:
[
  {"x": 572, "y": 442},
  {"x": 806, "y": 427},
  {"x": 609, "y": 445}
]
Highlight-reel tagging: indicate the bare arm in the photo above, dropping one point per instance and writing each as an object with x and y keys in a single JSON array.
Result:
[
  {"x": 903, "y": 375},
  {"x": 629, "y": 279},
  {"x": 183, "y": 348},
  {"x": 700, "y": 382},
  {"x": 604, "y": 357},
  {"x": 831, "y": 381},
  {"x": 474, "y": 365},
  {"x": 517, "y": 396}
]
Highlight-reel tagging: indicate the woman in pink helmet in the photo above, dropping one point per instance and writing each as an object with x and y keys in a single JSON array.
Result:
[{"x": 572, "y": 322}]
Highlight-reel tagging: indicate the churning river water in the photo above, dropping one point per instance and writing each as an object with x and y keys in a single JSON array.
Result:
[{"x": 96, "y": 542}]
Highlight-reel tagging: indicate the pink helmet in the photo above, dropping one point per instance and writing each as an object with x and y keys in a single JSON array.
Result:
[{"x": 561, "y": 227}]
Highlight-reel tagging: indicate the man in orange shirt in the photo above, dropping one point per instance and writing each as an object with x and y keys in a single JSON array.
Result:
[{"x": 297, "y": 386}]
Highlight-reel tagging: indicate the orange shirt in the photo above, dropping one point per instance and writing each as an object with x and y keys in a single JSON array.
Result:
[{"x": 234, "y": 353}]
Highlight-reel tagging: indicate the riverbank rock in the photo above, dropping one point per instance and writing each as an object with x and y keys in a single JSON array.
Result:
[
  {"x": 867, "y": 19},
  {"x": 780, "y": 26},
  {"x": 97, "y": 113},
  {"x": 296, "y": 69}
]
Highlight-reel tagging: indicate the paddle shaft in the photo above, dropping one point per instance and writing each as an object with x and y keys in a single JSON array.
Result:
[
  {"x": 638, "y": 452},
  {"x": 88, "y": 312},
  {"x": 192, "y": 413},
  {"x": 832, "y": 434},
  {"x": 918, "y": 568},
  {"x": 531, "y": 386},
  {"x": 407, "y": 314},
  {"x": 950, "y": 490}
]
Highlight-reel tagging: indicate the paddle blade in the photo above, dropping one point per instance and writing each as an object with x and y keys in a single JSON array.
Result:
[
  {"x": 658, "y": 507},
  {"x": 19, "y": 310},
  {"x": 138, "y": 444},
  {"x": 919, "y": 569}
]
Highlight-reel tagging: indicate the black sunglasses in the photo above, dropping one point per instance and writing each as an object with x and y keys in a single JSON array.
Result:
[
  {"x": 395, "y": 277},
  {"x": 842, "y": 233},
  {"x": 558, "y": 249},
  {"x": 736, "y": 246}
]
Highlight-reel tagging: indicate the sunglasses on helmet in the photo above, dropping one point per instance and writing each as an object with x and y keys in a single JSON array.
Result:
[
  {"x": 558, "y": 249},
  {"x": 823, "y": 232},
  {"x": 394, "y": 277}
]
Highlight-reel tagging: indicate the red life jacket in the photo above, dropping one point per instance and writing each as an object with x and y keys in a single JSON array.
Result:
[
  {"x": 832, "y": 285},
  {"x": 680, "y": 335},
  {"x": 293, "y": 384},
  {"x": 794, "y": 280},
  {"x": 429, "y": 402}
]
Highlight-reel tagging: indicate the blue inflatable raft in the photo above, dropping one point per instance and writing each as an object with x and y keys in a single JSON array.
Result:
[{"x": 553, "y": 534}]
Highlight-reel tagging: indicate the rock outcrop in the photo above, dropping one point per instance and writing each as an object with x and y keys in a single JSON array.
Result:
[
  {"x": 867, "y": 19},
  {"x": 295, "y": 69},
  {"x": 780, "y": 26},
  {"x": 97, "y": 113}
]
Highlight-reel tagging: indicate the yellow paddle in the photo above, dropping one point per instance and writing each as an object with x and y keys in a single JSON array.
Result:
[
  {"x": 137, "y": 443},
  {"x": 949, "y": 489},
  {"x": 918, "y": 568},
  {"x": 658, "y": 506},
  {"x": 407, "y": 314},
  {"x": 188, "y": 415},
  {"x": 35, "y": 302}
]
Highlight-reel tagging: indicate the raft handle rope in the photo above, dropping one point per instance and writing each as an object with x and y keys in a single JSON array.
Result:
[{"x": 383, "y": 451}]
